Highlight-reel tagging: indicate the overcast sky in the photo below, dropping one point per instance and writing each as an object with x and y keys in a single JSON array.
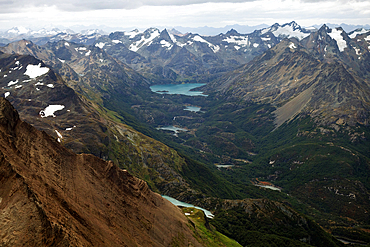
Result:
[{"x": 170, "y": 13}]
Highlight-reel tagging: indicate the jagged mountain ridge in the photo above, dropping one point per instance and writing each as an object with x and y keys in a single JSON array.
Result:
[
  {"x": 44, "y": 35},
  {"x": 53, "y": 197},
  {"x": 192, "y": 55},
  {"x": 323, "y": 75},
  {"x": 164, "y": 57}
]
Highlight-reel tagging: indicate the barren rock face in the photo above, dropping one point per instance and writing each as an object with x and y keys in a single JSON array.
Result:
[{"x": 50, "y": 196}]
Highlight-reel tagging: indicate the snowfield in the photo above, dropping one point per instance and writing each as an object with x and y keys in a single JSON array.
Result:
[
  {"x": 34, "y": 71},
  {"x": 50, "y": 110},
  {"x": 337, "y": 36}
]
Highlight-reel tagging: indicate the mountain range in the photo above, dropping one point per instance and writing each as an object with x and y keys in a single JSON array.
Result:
[{"x": 287, "y": 109}]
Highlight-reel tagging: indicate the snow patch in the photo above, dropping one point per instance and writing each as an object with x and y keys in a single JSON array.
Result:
[
  {"x": 172, "y": 38},
  {"x": 50, "y": 110},
  {"x": 6, "y": 94},
  {"x": 116, "y": 41},
  {"x": 292, "y": 46},
  {"x": 265, "y": 39},
  {"x": 215, "y": 48},
  {"x": 144, "y": 41},
  {"x": 66, "y": 44},
  {"x": 239, "y": 40},
  {"x": 34, "y": 71},
  {"x": 63, "y": 61},
  {"x": 100, "y": 45},
  {"x": 59, "y": 135},
  {"x": 88, "y": 53},
  {"x": 289, "y": 32},
  {"x": 355, "y": 33},
  {"x": 18, "y": 86},
  {"x": 237, "y": 47},
  {"x": 255, "y": 45},
  {"x": 12, "y": 83},
  {"x": 358, "y": 51},
  {"x": 70, "y": 128},
  {"x": 132, "y": 34},
  {"x": 50, "y": 85},
  {"x": 336, "y": 35},
  {"x": 39, "y": 84},
  {"x": 166, "y": 44}
]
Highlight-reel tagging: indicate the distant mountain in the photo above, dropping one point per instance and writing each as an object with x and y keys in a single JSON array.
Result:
[
  {"x": 322, "y": 76},
  {"x": 166, "y": 56},
  {"x": 17, "y": 33},
  {"x": 211, "y": 31},
  {"x": 289, "y": 30},
  {"x": 346, "y": 27}
]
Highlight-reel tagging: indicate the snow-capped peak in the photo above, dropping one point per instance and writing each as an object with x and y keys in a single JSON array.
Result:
[
  {"x": 146, "y": 39},
  {"x": 92, "y": 32},
  {"x": 132, "y": 34},
  {"x": 18, "y": 30},
  {"x": 288, "y": 30},
  {"x": 354, "y": 33}
]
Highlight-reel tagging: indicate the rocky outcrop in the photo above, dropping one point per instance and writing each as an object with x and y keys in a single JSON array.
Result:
[{"x": 50, "y": 196}]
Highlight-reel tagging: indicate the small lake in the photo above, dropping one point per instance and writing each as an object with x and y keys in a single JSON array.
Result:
[
  {"x": 192, "y": 108},
  {"x": 187, "y": 205},
  {"x": 268, "y": 187},
  {"x": 172, "y": 128},
  {"x": 183, "y": 89}
]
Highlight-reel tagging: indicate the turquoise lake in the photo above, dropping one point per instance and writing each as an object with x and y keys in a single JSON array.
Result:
[
  {"x": 187, "y": 205},
  {"x": 183, "y": 89}
]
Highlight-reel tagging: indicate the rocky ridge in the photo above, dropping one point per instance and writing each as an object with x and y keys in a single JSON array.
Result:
[
  {"x": 179, "y": 57},
  {"x": 325, "y": 75},
  {"x": 53, "y": 197}
]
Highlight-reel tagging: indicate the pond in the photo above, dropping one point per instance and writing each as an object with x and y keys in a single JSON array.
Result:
[
  {"x": 184, "y": 89},
  {"x": 192, "y": 108},
  {"x": 172, "y": 128},
  {"x": 187, "y": 205}
]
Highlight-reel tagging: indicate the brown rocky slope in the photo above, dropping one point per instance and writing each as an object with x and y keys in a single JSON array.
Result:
[{"x": 50, "y": 196}]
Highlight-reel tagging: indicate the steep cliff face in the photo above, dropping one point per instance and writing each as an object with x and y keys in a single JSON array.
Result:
[{"x": 51, "y": 196}]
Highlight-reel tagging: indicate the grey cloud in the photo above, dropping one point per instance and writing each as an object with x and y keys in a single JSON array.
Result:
[
  {"x": 11, "y": 6},
  {"x": 81, "y": 5}
]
